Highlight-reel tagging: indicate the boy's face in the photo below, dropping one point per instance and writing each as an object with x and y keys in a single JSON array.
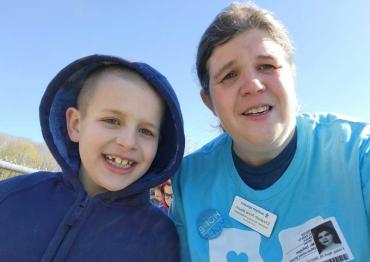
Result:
[{"x": 118, "y": 136}]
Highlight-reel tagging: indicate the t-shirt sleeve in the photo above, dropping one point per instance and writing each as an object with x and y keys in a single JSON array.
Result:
[
  {"x": 177, "y": 215},
  {"x": 365, "y": 171}
]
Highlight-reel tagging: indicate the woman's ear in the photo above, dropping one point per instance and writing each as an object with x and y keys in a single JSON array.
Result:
[
  {"x": 207, "y": 100},
  {"x": 73, "y": 118}
]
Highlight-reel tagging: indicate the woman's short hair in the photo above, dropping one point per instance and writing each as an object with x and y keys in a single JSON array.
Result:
[{"x": 231, "y": 21}]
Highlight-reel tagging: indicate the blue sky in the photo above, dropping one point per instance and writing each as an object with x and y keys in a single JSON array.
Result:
[{"x": 38, "y": 38}]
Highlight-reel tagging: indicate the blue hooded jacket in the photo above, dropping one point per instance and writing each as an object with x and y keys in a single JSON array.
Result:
[{"x": 48, "y": 216}]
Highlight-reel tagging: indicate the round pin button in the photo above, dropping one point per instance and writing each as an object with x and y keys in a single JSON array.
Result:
[{"x": 210, "y": 224}]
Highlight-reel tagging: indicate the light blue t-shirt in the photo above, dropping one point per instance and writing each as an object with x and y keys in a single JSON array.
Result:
[{"x": 328, "y": 181}]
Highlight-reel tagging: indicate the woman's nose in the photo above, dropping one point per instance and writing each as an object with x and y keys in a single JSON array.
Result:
[{"x": 251, "y": 84}]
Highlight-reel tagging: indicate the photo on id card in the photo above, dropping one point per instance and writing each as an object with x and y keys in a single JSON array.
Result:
[
  {"x": 326, "y": 238},
  {"x": 317, "y": 240}
]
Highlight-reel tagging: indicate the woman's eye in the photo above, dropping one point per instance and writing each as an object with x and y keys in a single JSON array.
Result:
[
  {"x": 266, "y": 67},
  {"x": 229, "y": 76},
  {"x": 146, "y": 132},
  {"x": 112, "y": 121}
]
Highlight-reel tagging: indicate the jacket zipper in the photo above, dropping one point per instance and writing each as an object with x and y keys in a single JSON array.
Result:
[{"x": 68, "y": 226}]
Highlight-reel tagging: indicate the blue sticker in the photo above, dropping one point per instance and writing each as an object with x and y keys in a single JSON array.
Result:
[{"x": 210, "y": 224}]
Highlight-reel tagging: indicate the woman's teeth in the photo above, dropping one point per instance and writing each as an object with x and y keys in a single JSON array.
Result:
[
  {"x": 119, "y": 162},
  {"x": 257, "y": 110}
]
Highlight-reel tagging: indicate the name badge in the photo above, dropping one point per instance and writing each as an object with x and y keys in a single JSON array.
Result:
[{"x": 253, "y": 216}]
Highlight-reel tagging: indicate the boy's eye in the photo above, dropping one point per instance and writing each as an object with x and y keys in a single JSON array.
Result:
[
  {"x": 146, "y": 132},
  {"x": 112, "y": 121}
]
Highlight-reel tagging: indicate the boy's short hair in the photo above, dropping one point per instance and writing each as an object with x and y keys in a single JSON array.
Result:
[{"x": 89, "y": 83}]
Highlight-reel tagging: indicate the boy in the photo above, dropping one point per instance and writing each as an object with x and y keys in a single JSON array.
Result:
[{"x": 116, "y": 130}]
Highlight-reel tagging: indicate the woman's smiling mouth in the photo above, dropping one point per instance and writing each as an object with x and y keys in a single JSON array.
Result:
[{"x": 257, "y": 110}]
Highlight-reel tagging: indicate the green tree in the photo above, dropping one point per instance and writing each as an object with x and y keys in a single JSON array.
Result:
[{"x": 25, "y": 153}]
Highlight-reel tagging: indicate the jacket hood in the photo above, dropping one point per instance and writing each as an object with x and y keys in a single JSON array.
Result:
[{"x": 62, "y": 92}]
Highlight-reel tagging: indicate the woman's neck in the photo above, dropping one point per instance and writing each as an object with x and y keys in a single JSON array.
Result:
[{"x": 257, "y": 155}]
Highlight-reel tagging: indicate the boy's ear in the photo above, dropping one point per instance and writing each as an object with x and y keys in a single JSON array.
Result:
[
  {"x": 73, "y": 118},
  {"x": 207, "y": 100}
]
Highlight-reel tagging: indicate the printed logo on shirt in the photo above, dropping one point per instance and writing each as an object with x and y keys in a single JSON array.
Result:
[{"x": 235, "y": 245}]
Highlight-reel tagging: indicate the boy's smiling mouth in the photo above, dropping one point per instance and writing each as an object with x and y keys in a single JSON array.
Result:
[{"x": 118, "y": 162}]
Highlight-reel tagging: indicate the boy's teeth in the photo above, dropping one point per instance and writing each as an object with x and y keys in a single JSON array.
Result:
[{"x": 119, "y": 162}]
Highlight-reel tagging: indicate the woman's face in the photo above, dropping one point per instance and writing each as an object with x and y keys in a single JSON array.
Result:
[
  {"x": 252, "y": 92},
  {"x": 325, "y": 238}
]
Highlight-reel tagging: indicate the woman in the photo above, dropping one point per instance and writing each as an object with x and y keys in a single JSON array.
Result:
[
  {"x": 326, "y": 239},
  {"x": 273, "y": 171}
]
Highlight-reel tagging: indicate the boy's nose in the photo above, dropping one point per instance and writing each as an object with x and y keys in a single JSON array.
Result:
[
  {"x": 127, "y": 139},
  {"x": 251, "y": 84}
]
